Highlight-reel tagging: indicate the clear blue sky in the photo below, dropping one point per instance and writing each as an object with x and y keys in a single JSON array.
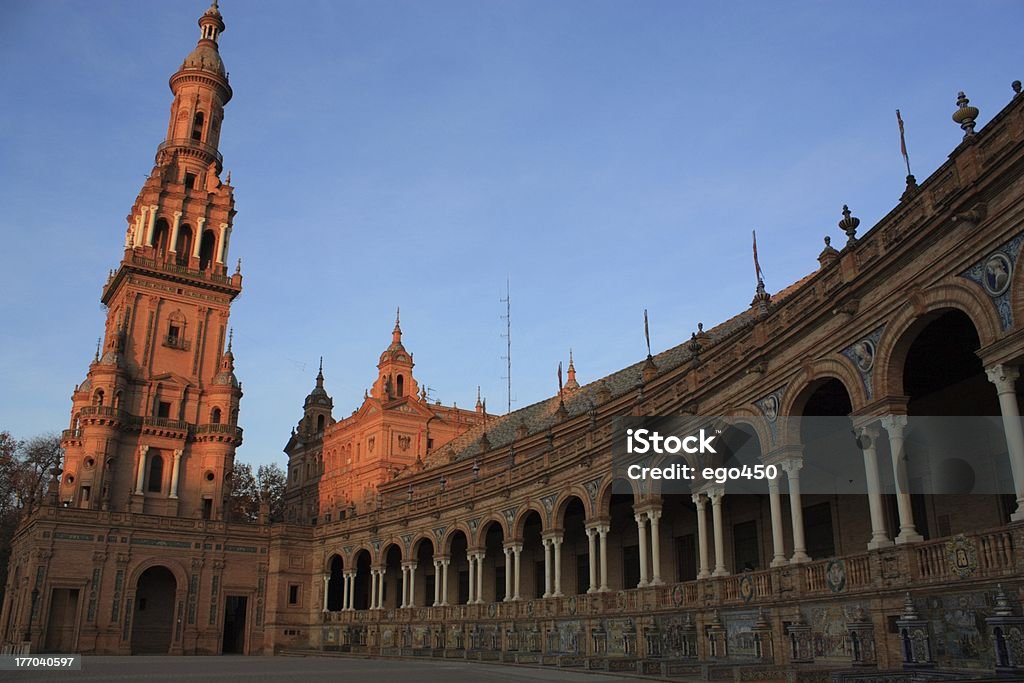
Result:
[{"x": 605, "y": 156}]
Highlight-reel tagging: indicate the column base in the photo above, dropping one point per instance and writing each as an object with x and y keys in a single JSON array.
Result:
[
  {"x": 558, "y": 594},
  {"x": 779, "y": 561},
  {"x": 720, "y": 572},
  {"x": 604, "y": 589},
  {"x": 800, "y": 557},
  {"x": 592, "y": 590},
  {"x": 1017, "y": 516},
  {"x": 703, "y": 574},
  {"x": 876, "y": 543},
  {"x": 656, "y": 582},
  {"x": 909, "y": 537}
]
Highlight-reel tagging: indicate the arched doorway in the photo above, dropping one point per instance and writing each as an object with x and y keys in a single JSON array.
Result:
[
  {"x": 153, "y": 617},
  {"x": 458, "y": 589},
  {"x": 531, "y": 583},
  {"x": 494, "y": 562},
  {"x": 361, "y": 590},
  {"x": 423, "y": 594},
  {"x": 336, "y": 585},
  {"x": 623, "y": 539},
  {"x": 575, "y": 548},
  {"x": 206, "y": 247},
  {"x": 392, "y": 597}
]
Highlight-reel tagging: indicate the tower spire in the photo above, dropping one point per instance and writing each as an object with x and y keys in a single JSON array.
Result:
[
  {"x": 396, "y": 334},
  {"x": 570, "y": 376}
]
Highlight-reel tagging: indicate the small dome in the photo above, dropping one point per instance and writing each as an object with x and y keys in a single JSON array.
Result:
[{"x": 206, "y": 57}]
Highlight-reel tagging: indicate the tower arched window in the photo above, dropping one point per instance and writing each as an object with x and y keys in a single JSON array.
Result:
[
  {"x": 156, "y": 472},
  {"x": 197, "y": 126},
  {"x": 117, "y": 399},
  {"x": 161, "y": 236},
  {"x": 234, "y": 416},
  {"x": 400, "y": 386},
  {"x": 206, "y": 247},
  {"x": 215, "y": 416},
  {"x": 320, "y": 423},
  {"x": 97, "y": 398},
  {"x": 183, "y": 248}
]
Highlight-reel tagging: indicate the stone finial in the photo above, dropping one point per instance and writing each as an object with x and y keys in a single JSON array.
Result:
[
  {"x": 909, "y": 611},
  {"x": 694, "y": 346},
  {"x": 1002, "y": 607},
  {"x": 849, "y": 226},
  {"x": 762, "y": 299},
  {"x": 829, "y": 254},
  {"x": 965, "y": 115},
  {"x": 650, "y": 369},
  {"x": 238, "y": 267},
  {"x": 911, "y": 188},
  {"x": 96, "y": 358},
  {"x": 1016, "y": 87}
]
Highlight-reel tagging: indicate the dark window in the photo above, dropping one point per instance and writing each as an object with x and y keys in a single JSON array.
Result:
[
  {"x": 686, "y": 558},
  {"x": 400, "y": 385},
  {"x": 744, "y": 546},
  {"x": 538, "y": 579},
  {"x": 156, "y": 473},
  {"x": 190, "y": 181},
  {"x": 499, "y": 583},
  {"x": 818, "y": 531},
  {"x": 293, "y": 594},
  {"x": 630, "y": 566},
  {"x": 320, "y": 423},
  {"x": 197, "y": 126},
  {"x": 582, "y": 573},
  {"x": 163, "y": 409},
  {"x": 206, "y": 247},
  {"x": 215, "y": 416},
  {"x": 207, "y": 508},
  {"x": 463, "y": 587}
]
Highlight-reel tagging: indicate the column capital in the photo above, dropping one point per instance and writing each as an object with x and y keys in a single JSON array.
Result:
[
  {"x": 699, "y": 499},
  {"x": 143, "y": 449},
  {"x": 640, "y": 517},
  {"x": 177, "y": 214},
  {"x": 410, "y": 563},
  {"x": 590, "y": 531},
  {"x": 871, "y": 431},
  {"x": 553, "y": 534},
  {"x": 178, "y": 452},
  {"x": 792, "y": 466},
  {"x": 1003, "y": 376},
  {"x": 516, "y": 547},
  {"x": 716, "y": 495},
  {"x": 894, "y": 424}
]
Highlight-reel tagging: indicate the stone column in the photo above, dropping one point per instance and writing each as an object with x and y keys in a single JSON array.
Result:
[
  {"x": 139, "y": 232},
  {"x": 405, "y": 586},
  {"x": 444, "y": 577},
  {"x": 592, "y": 558},
  {"x": 346, "y": 591},
  {"x": 655, "y": 516},
  {"x": 702, "y": 535},
  {"x": 603, "y": 533},
  {"x": 412, "y": 583},
  {"x": 547, "y": 567},
  {"x": 517, "y": 550},
  {"x": 141, "y": 476},
  {"x": 778, "y": 540},
  {"x": 327, "y": 581},
  {"x": 373, "y": 588},
  {"x": 437, "y": 583},
  {"x": 380, "y": 591},
  {"x": 716, "y": 496},
  {"x": 150, "y": 225},
  {"x": 894, "y": 425},
  {"x": 556, "y": 551},
  {"x": 173, "y": 246},
  {"x": 792, "y": 467},
  {"x": 222, "y": 247},
  {"x": 471, "y": 560},
  {"x": 199, "y": 236},
  {"x": 641, "y": 532},
  {"x": 480, "y": 556},
  {"x": 508, "y": 572},
  {"x": 175, "y": 473},
  {"x": 1005, "y": 378},
  {"x": 868, "y": 437}
]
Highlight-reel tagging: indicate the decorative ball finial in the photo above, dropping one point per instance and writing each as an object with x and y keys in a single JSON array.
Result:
[
  {"x": 238, "y": 266},
  {"x": 965, "y": 115},
  {"x": 1016, "y": 87},
  {"x": 849, "y": 226}
]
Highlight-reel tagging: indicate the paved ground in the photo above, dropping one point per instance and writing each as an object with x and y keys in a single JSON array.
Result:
[{"x": 304, "y": 669}]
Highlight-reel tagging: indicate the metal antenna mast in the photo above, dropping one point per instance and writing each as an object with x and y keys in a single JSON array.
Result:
[{"x": 508, "y": 342}]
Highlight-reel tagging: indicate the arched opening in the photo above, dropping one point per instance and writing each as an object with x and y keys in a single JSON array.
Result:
[
  {"x": 183, "y": 248},
  {"x": 531, "y": 561},
  {"x": 494, "y": 563},
  {"x": 319, "y": 423},
  {"x": 361, "y": 592},
  {"x": 424, "y": 593},
  {"x": 215, "y": 416},
  {"x": 97, "y": 398},
  {"x": 161, "y": 235},
  {"x": 117, "y": 398},
  {"x": 336, "y": 584},
  {"x": 153, "y": 612},
  {"x": 947, "y": 450},
  {"x": 392, "y": 597},
  {"x": 623, "y": 539},
  {"x": 400, "y": 386},
  {"x": 575, "y": 550},
  {"x": 156, "y": 471},
  {"x": 458, "y": 577},
  {"x": 197, "y": 126},
  {"x": 831, "y": 459},
  {"x": 206, "y": 248}
]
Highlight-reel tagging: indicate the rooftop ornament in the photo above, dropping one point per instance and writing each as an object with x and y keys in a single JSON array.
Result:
[{"x": 965, "y": 115}]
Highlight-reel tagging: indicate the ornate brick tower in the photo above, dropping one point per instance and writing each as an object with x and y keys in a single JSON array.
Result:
[{"x": 154, "y": 424}]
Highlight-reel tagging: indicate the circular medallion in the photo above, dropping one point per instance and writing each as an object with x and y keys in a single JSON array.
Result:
[
  {"x": 864, "y": 355},
  {"x": 771, "y": 407},
  {"x": 746, "y": 588},
  {"x": 835, "y": 575},
  {"x": 997, "y": 275}
]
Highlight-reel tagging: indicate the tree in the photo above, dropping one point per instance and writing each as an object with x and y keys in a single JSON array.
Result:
[
  {"x": 248, "y": 491},
  {"x": 25, "y": 475}
]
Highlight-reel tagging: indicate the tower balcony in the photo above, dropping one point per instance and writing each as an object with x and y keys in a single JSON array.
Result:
[
  {"x": 191, "y": 148},
  {"x": 136, "y": 260}
]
